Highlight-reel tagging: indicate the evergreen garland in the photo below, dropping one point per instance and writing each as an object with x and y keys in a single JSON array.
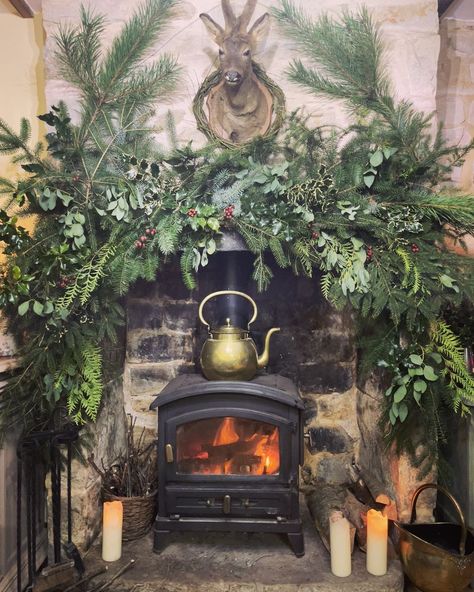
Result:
[{"x": 112, "y": 206}]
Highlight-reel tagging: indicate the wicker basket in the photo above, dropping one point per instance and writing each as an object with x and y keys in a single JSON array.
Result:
[{"x": 138, "y": 513}]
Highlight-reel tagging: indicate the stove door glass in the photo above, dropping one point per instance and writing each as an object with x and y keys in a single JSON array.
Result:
[{"x": 228, "y": 446}]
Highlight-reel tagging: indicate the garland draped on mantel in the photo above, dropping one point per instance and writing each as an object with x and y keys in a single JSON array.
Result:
[{"x": 361, "y": 205}]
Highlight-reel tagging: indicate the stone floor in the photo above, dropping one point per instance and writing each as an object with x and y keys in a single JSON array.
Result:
[{"x": 240, "y": 563}]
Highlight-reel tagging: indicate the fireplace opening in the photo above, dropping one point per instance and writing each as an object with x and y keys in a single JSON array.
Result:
[{"x": 228, "y": 446}]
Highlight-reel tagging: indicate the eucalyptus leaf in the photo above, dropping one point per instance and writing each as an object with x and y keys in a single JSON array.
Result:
[
  {"x": 420, "y": 386},
  {"x": 430, "y": 374},
  {"x": 23, "y": 308},
  {"x": 37, "y": 308},
  {"x": 369, "y": 180},
  {"x": 403, "y": 412},
  {"x": 400, "y": 393},
  {"x": 376, "y": 158}
]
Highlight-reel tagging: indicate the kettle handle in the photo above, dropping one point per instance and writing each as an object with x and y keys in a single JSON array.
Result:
[
  {"x": 226, "y": 293},
  {"x": 462, "y": 542}
]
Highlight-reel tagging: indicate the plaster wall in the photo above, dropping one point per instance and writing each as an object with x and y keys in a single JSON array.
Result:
[{"x": 410, "y": 31}]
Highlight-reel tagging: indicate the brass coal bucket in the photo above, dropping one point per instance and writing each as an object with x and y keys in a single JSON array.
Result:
[{"x": 436, "y": 557}]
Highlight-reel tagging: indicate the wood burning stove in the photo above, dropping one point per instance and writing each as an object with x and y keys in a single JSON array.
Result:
[{"x": 228, "y": 457}]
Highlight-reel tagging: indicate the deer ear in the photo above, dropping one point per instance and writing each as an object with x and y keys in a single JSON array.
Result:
[
  {"x": 260, "y": 28},
  {"x": 214, "y": 29}
]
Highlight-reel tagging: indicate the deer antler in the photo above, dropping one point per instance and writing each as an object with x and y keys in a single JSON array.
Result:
[
  {"x": 229, "y": 15},
  {"x": 244, "y": 18}
]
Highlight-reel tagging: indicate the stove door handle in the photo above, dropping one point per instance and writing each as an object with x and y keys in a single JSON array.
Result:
[
  {"x": 169, "y": 453},
  {"x": 226, "y": 504}
]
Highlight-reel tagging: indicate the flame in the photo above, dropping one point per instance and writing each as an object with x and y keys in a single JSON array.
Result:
[
  {"x": 230, "y": 445},
  {"x": 226, "y": 433}
]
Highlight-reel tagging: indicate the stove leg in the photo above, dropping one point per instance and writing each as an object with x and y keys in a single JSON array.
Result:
[
  {"x": 160, "y": 540},
  {"x": 296, "y": 541}
]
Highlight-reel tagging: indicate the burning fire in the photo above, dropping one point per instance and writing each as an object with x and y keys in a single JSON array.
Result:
[{"x": 229, "y": 446}]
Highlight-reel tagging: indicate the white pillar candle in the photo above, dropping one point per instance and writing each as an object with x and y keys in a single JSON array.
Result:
[
  {"x": 377, "y": 535},
  {"x": 112, "y": 531},
  {"x": 340, "y": 543}
]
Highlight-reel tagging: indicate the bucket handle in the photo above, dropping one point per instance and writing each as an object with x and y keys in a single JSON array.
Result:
[{"x": 462, "y": 542}]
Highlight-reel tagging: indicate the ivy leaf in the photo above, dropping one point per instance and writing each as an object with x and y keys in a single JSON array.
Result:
[
  {"x": 400, "y": 393},
  {"x": 16, "y": 272},
  {"x": 23, "y": 308},
  {"x": 388, "y": 392},
  {"x": 436, "y": 357},
  {"x": 403, "y": 412},
  {"x": 430, "y": 374},
  {"x": 416, "y": 359},
  {"x": 417, "y": 397},
  {"x": 376, "y": 158}
]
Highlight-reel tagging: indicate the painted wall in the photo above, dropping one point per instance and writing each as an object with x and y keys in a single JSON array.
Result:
[
  {"x": 410, "y": 30},
  {"x": 21, "y": 76}
]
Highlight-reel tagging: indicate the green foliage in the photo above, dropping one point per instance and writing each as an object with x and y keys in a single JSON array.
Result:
[{"x": 359, "y": 205}]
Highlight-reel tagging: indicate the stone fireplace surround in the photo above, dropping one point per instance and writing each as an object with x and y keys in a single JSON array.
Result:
[{"x": 315, "y": 348}]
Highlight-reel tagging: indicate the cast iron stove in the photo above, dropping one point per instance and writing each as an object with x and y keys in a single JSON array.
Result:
[{"x": 228, "y": 457}]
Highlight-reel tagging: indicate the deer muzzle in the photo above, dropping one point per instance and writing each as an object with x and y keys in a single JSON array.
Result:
[{"x": 233, "y": 78}]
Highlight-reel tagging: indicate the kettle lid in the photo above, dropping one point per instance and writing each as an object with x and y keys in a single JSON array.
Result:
[{"x": 229, "y": 329}]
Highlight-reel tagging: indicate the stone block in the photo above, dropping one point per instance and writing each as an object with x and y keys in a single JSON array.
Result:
[
  {"x": 149, "y": 346},
  {"x": 310, "y": 411},
  {"x": 325, "y": 377},
  {"x": 180, "y": 316},
  {"x": 106, "y": 440},
  {"x": 329, "y": 439},
  {"x": 143, "y": 315},
  {"x": 151, "y": 378}
]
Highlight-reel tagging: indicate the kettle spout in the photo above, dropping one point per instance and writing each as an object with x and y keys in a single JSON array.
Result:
[{"x": 263, "y": 359}]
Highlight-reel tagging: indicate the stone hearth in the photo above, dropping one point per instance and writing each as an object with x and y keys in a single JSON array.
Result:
[{"x": 241, "y": 563}]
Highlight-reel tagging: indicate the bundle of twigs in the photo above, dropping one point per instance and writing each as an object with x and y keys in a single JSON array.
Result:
[{"x": 133, "y": 473}]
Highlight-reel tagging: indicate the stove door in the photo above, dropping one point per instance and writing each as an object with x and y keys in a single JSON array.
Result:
[
  {"x": 242, "y": 445},
  {"x": 227, "y": 446}
]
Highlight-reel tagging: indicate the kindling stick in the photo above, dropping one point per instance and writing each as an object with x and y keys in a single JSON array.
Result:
[
  {"x": 87, "y": 578},
  {"x": 117, "y": 575}
]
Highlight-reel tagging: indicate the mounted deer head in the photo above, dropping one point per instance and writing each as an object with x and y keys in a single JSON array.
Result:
[{"x": 236, "y": 44}]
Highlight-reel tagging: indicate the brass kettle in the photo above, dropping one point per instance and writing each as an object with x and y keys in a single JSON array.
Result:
[{"x": 229, "y": 353}]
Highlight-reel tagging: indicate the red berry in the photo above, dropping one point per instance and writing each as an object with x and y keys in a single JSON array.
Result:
[
  {"x": 143, "y": 239},
  {"x": 153, "y": 232},
  {"x": 148, "y": 231},
  {"x": 76, "y": 179},
  {"x": 138, "y": 244},
  {"x": 415, "y": 248},
  {"x": 315, "y": 235},
  {"x": 192, "y": 212}
]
